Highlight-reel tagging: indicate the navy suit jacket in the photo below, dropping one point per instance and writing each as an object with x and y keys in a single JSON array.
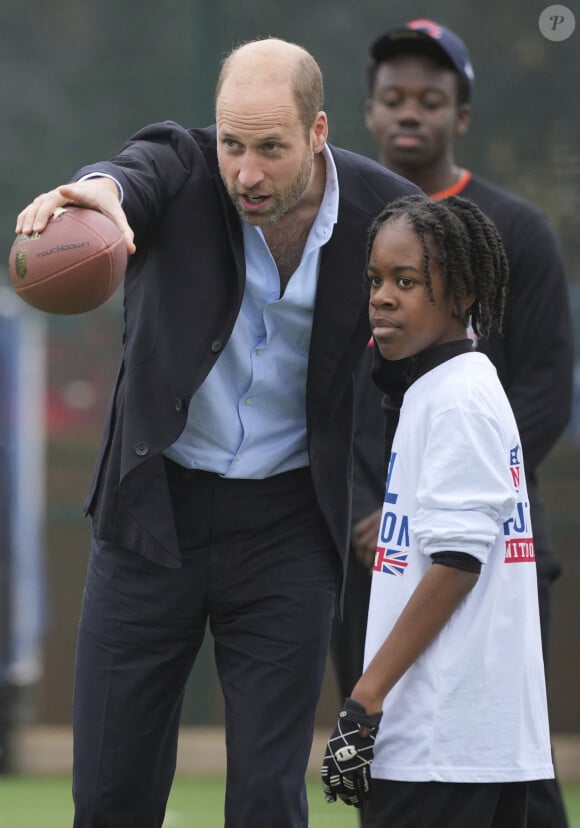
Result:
[{"x": 183, "y": 290}]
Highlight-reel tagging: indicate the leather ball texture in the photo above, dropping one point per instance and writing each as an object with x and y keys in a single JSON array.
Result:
[{"x": 73, "y": 266}]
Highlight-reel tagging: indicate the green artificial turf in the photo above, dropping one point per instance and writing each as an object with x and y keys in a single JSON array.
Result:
[
  {"x": 195, "y": 802},
  {"x": 45, "y": 802}
]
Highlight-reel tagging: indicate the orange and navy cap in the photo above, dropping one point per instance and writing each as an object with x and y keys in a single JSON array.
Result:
[{"x": 427, "y": 37}]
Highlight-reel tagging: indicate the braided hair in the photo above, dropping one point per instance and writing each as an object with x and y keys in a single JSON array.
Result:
[{"x": 470, "y": 250}]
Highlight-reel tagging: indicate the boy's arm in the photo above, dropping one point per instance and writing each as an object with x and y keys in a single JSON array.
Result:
[
  {"x": 345, "y": 768},
  {"x": 437, "y": 596}
]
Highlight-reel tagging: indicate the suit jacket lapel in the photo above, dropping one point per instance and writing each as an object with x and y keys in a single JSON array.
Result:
[
  {"x": 234, "y": 229},
  {"x": 340, "y": 328}
]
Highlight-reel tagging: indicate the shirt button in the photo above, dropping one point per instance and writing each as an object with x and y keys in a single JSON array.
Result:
[
  {"x": 249, "y": 401},
  {"x": 141, "y": 449},
  {"x": 259, "y": 351},
  {"x": 178, "y": 404},
  {"x": 216, "y": 345}
]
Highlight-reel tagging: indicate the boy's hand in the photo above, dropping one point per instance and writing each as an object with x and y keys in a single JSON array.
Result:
[{"x": 346, "y": 766}]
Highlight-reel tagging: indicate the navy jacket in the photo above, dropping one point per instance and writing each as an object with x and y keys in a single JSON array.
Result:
[{"x": 183, "y": 290}]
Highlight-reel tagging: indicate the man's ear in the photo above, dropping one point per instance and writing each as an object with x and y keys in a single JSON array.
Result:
[
  {"x": 463, "y": 119},
  {"x": 319, "y": 132}
]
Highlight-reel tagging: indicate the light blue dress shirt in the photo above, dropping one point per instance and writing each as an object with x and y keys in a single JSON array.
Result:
[{"x": 248, "y": 418}]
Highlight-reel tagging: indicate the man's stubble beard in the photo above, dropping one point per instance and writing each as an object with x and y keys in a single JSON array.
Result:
[{"x": 284, "y": 200}]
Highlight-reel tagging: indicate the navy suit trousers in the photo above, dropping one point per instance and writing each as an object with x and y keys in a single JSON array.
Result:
[{"x": 260, "y": 566}]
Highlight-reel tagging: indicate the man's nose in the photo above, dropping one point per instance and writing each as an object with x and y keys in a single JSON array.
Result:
[
  {"x": 409, "y": 111},
  {"x": 250, "y": 173}
]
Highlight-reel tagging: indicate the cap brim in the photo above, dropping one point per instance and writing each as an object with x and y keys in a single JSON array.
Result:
[{"x": 396, "y": 41}]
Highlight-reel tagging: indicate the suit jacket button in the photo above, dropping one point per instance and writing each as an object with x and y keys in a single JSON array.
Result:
[
  {"x": 216, "y": 345},
  {"x": 141, "y": 449},
  {"x": 178, "y": 404}
]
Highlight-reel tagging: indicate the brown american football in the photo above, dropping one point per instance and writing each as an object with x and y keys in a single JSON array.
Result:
[{"x": 73, "y": 266}]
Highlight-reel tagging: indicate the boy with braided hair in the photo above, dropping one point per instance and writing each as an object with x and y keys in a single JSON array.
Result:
[
  {"x": 420, "y": 97},
  {"x": 451, "y": 706}
]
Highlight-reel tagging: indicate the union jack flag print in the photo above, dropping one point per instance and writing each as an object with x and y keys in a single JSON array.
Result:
[{"x": 390, "y": 561}]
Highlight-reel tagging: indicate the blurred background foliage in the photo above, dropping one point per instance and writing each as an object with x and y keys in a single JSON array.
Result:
[{"x": 80, "y": 76}]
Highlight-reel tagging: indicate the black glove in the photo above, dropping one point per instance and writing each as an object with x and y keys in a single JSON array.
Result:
[{"x": 346, "y": 766}]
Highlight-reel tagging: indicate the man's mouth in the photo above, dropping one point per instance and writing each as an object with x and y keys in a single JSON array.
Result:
[
  {"x": 406, "y": 140},
  {"x": 253, "y": 202}
]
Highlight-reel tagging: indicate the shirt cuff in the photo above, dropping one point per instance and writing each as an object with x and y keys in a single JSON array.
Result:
[{"x": 106, "y": 175}]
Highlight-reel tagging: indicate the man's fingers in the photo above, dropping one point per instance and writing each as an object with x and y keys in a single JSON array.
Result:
[
  {"x": 101, "y": 194},
  {"x": 365, "y": 556},
  {"x": 35, "y": 216},
  {"x": 95, "y": 193},
  {"x": 366, "y": 531}
]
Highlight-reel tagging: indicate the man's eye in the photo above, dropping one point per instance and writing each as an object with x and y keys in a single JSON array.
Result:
[{"x": 432, "y": 104}]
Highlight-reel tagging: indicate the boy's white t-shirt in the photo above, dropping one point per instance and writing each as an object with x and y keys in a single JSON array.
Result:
[{"x": 473, "y": 707}]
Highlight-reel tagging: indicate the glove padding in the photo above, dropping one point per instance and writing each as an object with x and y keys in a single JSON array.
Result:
[{"x": 345, "y": 769}]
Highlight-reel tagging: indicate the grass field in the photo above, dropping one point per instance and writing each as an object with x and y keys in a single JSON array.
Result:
[{"x": 195, "y": 802}]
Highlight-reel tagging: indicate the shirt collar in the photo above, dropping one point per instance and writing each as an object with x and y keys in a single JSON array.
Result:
[
  {"x": 436, "y": 355},
  {"x": 327, "y": 215},
  {"x": 328, "y": 212}
]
